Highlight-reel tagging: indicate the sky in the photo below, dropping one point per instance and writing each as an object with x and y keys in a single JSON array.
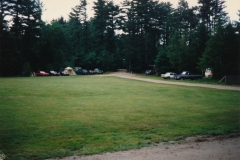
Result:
[{"x": 54, "y": 9}]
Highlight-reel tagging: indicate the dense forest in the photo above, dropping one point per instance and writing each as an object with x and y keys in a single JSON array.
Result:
[{"x": 133, "y": 35}]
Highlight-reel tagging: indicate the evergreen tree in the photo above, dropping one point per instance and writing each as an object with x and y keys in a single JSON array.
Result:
[
  {"x": 78, "y": 32},
  {"x": 222, "y": 53},
  {"x": 162, "y": 61},
  {"x": 55, "y": 51},
  {"x": 104, "y": 25},
  {"x": 182, "y": 24},
  {"x": 21, "y": 38},
  {"x": 178, "y": 52},
  {"x": 3, "y": 13},
  {"x": 4, "y": 35},
  {"x": 197, "y": 44},
  {"x": 212, "y": 13}
]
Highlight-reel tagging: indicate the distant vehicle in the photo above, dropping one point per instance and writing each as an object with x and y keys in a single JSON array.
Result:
[
  {"x": 77, "y": 70},
  {"x": 41, "y": 73},
  {"x": 168, "y": 75},
  {"x": 63, "y": 73},
  {"x": 90, "y": 72},
  {"x": 97, "y": 71},
  {"x": 150, "y": 69},
  {"x": 84, "y": 72},
  {"x": 208, "y": 72},
  {"x": 148, "y": 72},
  {"x": 188, "y": 75},
  {"x": 53, "y": 73}
]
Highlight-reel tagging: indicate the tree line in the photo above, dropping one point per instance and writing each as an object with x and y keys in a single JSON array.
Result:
[{"x": 133, "y": 35}]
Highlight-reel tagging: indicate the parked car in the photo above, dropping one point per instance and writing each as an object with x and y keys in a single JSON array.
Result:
[
  {"x": 148, "y": 72},
  {"x": 188, "y": 75},
  {"x": 90, "y": 72},
  {"x": 63, "y": 73},
  {"x": 53, "y": 73},
  {"x": 168, "y": 75},
  {"x": 150, "y": 69},
  {"x": 41, "y": 73},
  {"x": 84, "y": 72},
  {"x": 97, "y": 71},
  {"x": 77, "y": 70}
]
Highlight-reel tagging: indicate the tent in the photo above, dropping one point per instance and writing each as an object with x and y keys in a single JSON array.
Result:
[{"x": 70, "y": 71}]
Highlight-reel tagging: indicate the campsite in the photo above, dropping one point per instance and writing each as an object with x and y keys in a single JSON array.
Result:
[
  {"x": 61, "y": 95},
  {"x": 82, "y": 115}
]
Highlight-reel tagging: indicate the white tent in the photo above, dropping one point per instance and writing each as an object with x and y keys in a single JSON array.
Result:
[{"x": 70, "y": 71}]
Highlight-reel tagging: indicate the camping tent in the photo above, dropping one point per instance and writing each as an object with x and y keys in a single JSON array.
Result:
[{"x": 70, "y": 71}]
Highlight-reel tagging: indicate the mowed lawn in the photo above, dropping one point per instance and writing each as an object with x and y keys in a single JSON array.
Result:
[{"x": 46, "y": 117}]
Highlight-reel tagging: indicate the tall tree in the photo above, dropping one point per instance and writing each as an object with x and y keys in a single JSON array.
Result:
[
  {"x": 182, "y": 24},
  {"x": 4, "y": 40},
  {"x": 162, "y": 61},
  {"x": 222, "y": 53},
  {"x": 177, "y": 51},
  {"x": 32, "y": 23},
  {"x": 3, "y": 13},
  {"x": 197, "y": 45},
  {"x": 105, "y": 23},
  {"x": 22, "y": 35},
  {"x": 99, "y": 23},
  {"x": 212, "y": 13},
  {"x": 55, "y": 47},
  {"x": 78, "y": 31}
]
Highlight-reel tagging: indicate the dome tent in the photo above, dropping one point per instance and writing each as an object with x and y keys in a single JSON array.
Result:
[{"x": 70, "y": 71}]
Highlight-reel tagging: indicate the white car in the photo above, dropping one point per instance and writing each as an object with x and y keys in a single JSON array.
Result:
[{"x": 168, "y": 75}]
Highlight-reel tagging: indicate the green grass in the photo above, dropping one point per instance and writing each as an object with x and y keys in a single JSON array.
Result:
[{"x": 44, "y": 117}]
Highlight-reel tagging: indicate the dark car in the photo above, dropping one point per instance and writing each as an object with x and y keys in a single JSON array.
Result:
[
  {"x": 148, "y": 72},
  {"x": 63, "y": 73},
  {"x": 97, "y": 71},
  {"x": 84, "y": 72},
  {"x": 188, "y": 75},
  {"x": 90, "y": 72},
  {"x": 53, "y": 73},
  {"x": 77, "y": 70}
]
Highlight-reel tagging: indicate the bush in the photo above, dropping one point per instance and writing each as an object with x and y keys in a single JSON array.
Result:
[{"x": 26, "y": 70}]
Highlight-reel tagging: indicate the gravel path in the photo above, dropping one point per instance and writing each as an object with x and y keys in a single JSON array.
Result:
[
  {"x": 133, "y": 76},
  {"x": 191, "y": 148}
]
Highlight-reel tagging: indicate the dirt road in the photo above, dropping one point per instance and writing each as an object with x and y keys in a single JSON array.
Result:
[
  {"x": 192, "y": 148},
  {"x": 133, "y": 76}
]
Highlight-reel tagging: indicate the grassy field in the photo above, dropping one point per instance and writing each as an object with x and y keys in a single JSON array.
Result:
[{"x": 44, "y": 117}]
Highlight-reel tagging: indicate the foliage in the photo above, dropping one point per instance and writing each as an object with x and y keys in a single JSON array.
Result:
[
  {"x": 162, "y": 62},
  {"x": 20, "y": 31},
  {"x": 27, "y": 70},
  {"x": 55, "y": 49},
  {"x": 138, "y": 31},
  {"x": 222, "y": 53}
]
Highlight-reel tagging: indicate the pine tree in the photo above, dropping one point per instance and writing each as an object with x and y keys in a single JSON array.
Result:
[
  {"x": 78, "y": 31},
  {"x": 22, "y": 35},
  {"x": 222, "y": 52},
  {"x": 212, "y": 13}
]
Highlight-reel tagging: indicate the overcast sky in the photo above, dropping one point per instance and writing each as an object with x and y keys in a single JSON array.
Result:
[{"x": 54, "y": 9}]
